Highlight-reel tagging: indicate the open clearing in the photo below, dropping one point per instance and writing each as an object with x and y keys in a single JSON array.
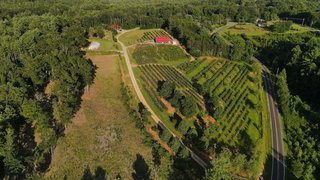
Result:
[
  {"x": 107, "y": 45},
  {"x": 251, "y": 29},
  {"x": 102, "y": 132},
  {"x": 248, "y": 29}
]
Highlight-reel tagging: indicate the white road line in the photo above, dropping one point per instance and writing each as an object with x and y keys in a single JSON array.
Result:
[{"x": 266, "y": 86}]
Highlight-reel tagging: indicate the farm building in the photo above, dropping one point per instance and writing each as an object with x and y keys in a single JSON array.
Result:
[
  {"x": 163, "y": 40},
  {"x": 116, "y": 27},
  {"x": 261, "y": 23}
]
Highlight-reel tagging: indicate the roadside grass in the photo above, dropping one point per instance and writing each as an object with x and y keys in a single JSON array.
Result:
[
  {"x": 132, "y": 37},
  {"x": 101, "y": 134},
  {"x": 266, "y": 144}
]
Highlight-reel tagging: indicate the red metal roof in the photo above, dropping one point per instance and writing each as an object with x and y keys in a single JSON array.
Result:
[
  {"x": 115, "y": 26},
  {"x": 163, "y": 39}
]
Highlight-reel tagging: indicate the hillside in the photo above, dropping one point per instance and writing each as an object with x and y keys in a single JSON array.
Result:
[{"x": 229, "y": 104}]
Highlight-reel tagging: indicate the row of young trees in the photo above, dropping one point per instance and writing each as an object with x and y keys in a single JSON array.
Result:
[{"x": 187, "y": 105}]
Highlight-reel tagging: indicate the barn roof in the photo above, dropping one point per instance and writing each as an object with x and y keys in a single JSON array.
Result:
[
  {"x": 163, "y": 39},
  {"x": 115, "y": 26}
]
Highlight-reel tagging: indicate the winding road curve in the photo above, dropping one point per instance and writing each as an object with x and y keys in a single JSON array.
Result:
[{"x": 144, "y": 102}]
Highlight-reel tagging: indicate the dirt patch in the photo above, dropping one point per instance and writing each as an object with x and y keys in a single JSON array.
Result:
[
  {"x": 210, "y": 58},
  {"x": 101, "y": 131},
  {"x": 156, "y": 137},
  {"x": 48, "y": 89},
  {"x": 208, "y": 119},
  {"x": 170, "y": 108},
  {"x": 105, "y": 66}
]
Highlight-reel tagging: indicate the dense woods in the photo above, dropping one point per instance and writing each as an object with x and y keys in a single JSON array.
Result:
[
  {"x": 42, "y": 77},
  {"x": 44, "y": 71}
]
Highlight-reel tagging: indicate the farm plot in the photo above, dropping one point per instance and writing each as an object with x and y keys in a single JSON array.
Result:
[
  {"x": 153, "y": 73},
  {"x": 141, "y": 36},
  {"x": 151, "y": 35},
  {"x": 146, "y": 53},
  {"x": 234, "y": 84}
]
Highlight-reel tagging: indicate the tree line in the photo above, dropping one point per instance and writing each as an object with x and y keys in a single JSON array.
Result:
[{"x": 42, "y": 77}]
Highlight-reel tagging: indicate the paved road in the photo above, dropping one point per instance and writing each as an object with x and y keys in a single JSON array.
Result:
[
  {"x": 144, "y": 102},
  {"x": 227, "y": 26},
  {"x": 278, "y": 161}
]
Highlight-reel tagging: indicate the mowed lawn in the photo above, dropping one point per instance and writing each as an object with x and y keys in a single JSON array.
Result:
[
  {"x": 248, "y": 29},
  {"x": 102, "y": 133}
]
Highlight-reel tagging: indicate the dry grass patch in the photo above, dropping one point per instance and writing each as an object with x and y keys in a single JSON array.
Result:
[
  {"x": 102, "y": 134},
  {"x": 170, "y": 109}
]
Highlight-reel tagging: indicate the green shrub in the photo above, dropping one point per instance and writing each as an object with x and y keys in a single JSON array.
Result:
[
  {"x": 183, "y": 127},
  {"x": 166, "y": 135},
  {"x": 281, "y": 26},
  {"x": 184, "y": 153},
  {"x": 175, "y": 145}
]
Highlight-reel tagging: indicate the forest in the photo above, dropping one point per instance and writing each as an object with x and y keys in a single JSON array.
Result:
[{"x": 44, "y": 70}]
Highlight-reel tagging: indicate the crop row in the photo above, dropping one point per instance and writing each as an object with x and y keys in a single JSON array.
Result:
[
  {"x": 150, "y": 35},
  {"x": 238, "y": 125},
  {"x": 153, "y": 73},
  {"x": 225, "y": 71},
  {"x": 189, "y": 65},
  {"x": 153, "y": 95},
  {"x": 230, "y": 82},
  {"x": 241, "y": 81},
  {"x": 205, "y": 70}
]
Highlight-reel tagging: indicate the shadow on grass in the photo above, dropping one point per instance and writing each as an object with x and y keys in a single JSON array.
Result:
[
  {"x": 100, "y": 174},
  {"x": 141, "y": 169}
]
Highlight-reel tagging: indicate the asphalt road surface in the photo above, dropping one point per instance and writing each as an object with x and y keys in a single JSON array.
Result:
[{"x": 278, "y": 161}]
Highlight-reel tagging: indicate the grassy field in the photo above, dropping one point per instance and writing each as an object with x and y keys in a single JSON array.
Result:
[
  {"x": 140, "y": 35},
  {"x": 248, "y": 29},
  {"x": 167, "y": 54},
  {"x": 251, "y": 29},
  {"x": 101, "y": 134},
  {"x": 107, "y": 45}
]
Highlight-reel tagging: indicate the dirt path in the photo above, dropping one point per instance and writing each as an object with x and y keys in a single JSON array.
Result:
[{"x": 144, "y": 102}]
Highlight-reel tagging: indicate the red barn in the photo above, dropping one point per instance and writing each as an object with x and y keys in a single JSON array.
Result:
[
  {"x": 115, "y": 26},
  {"x": 163, "y": 39}
]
